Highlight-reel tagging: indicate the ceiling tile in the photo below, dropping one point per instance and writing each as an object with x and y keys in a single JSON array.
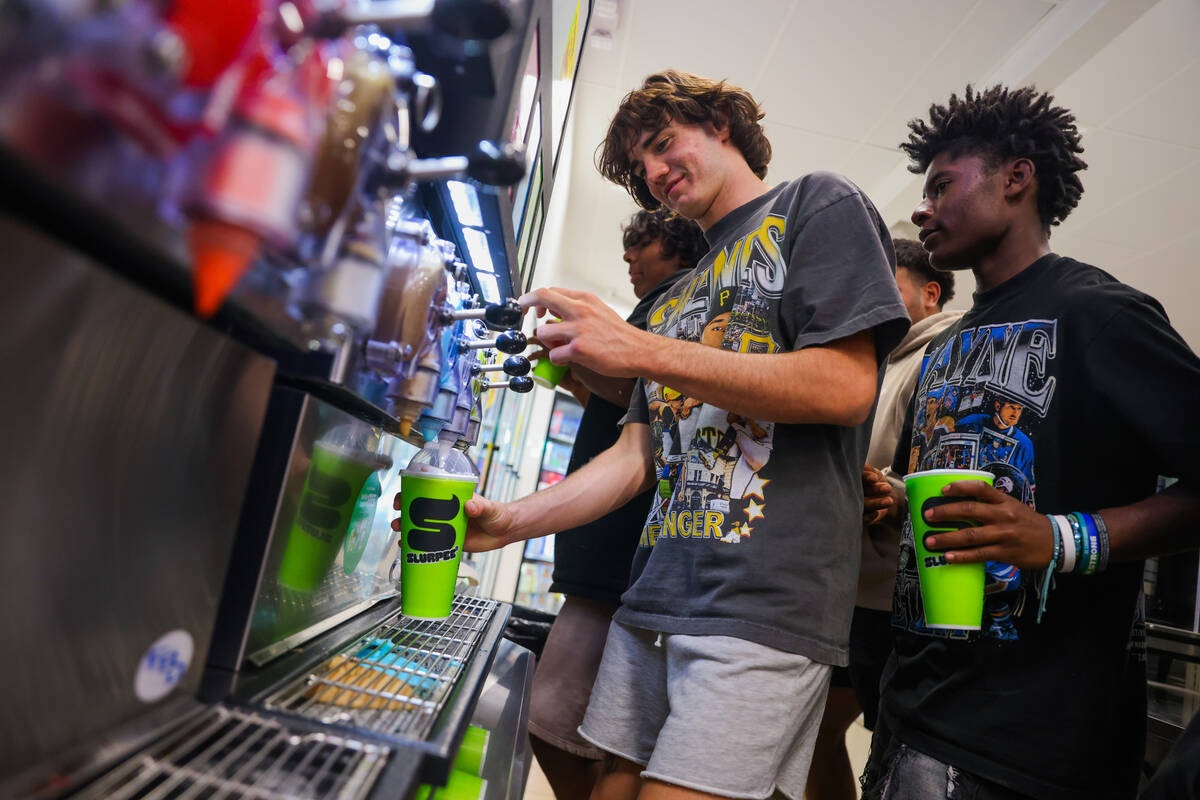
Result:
[
  {"x": 1170, "y": 113},
  {"x": 1170, "y": 276},
  {"x": 1145, "y": 55},
  {"x": 1152, "y": 218},
  {"x": 868, "y": 166},
  {"x": 964, "y": 57},
  {"x": 796, "y": 152},
  {"x": 697, "y": 37},
  {"x": 844, "y": 64},
  {"x": 1121, "y": 166}
]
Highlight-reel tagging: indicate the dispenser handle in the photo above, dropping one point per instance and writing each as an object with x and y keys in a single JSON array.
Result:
[
  {"x": 521, "y": 385},
  {"x": 497, "y": 164},
  {"x": 473, "y": 19},
  {"x": 515, "y": 366},
  {"x": 511, "y": 342}
]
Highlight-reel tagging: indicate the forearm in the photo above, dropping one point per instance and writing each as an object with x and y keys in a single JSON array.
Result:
[
  {"x": 604, "y": 484},
  {"x": 614, "y": 390},
  {"x": 1162, "y": 523},
  {"x": 832, "y": 384}
]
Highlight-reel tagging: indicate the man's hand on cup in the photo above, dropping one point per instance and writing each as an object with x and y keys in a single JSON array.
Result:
[
  {"x": 1007, "y": 530},
  {"x": 878, "y": 503},
  {"x": 488, "y": 524},
  {"x": 588, "y": 333}
]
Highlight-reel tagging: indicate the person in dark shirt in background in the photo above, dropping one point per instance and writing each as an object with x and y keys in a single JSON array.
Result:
[
  {"x": 592, "y": 562},
  {"x": 855, "y": 688},
  {"x": 1047, "y": 699}
]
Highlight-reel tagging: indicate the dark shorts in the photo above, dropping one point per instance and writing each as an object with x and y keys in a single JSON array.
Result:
[{"x": 870, "y": 645}]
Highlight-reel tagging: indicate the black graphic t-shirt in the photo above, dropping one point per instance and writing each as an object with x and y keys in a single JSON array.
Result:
[
  {"x": 1074, "y": 390},
  {"x": 593, "y": 560},
  {"x": 755, "y": 525}
]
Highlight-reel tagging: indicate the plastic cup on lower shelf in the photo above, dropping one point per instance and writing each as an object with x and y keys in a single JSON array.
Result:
[
  {"x": 473, "y": 751},
  {"x": 459, "y": 786}
]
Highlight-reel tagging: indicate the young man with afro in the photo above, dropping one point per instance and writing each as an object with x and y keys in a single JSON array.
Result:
[{"x": 1047, "y": 699}]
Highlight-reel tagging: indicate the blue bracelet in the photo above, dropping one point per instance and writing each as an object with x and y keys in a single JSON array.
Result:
[
  {"x": 1093, "y": 537},
  {"x": 1082, "y": 552}
]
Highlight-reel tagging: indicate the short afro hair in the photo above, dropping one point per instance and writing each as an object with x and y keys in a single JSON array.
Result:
[
  {"x": 678, "y": 236},
  {"x": 672, "y": 96},
  {"x": 912, "y": 256},
  {"x": 1003, "y": 124}
]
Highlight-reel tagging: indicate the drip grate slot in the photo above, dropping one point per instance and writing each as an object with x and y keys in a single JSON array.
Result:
[
  {"x": 395, "y": 679},
  {"x": 230, "y": 753}
]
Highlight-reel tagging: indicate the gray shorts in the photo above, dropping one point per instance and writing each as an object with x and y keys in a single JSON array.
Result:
[
  {"x": 565, "y": 673},
  {"x": 712, "y": 713}
]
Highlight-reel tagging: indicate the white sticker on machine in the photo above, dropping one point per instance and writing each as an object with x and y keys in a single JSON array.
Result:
[{"x": 163, "y": 666}]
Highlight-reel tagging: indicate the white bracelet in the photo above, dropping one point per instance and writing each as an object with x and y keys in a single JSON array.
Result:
[{"x": 1068, "y": 542}]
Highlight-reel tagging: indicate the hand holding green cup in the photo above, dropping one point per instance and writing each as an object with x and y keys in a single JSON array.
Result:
[
  {"x": 434, "y": 490},
  {"x": 547, "y": 373},
  {"x": 951, "y": 594}
]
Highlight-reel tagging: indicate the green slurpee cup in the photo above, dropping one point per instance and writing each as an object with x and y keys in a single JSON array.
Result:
[
  {"x": 459, "y": 786},
  {"x": 473, "y": 751},
  {"x": 547, "y": 373},
  {"x": 332, "y": 487},
  {"x": 434, "y": 490},
  {"x": 952, "y": 594}
]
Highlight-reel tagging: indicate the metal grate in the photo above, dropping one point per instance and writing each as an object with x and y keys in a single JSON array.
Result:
[
  {"x": 229, "y": 753},
  {"x": 395, "y": 679}
]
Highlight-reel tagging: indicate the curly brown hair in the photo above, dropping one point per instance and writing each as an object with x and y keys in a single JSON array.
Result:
[
  {"x": 1002, "y": 124},
  {"x": 678, "y": 236},
  {"x": 673, "y": 96}
]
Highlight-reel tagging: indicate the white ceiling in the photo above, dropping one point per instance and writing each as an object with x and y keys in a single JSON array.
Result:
[{"x": 839, "y": 80}]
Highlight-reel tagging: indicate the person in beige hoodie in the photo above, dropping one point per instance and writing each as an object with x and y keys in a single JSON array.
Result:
[{"x": 855, "y": 689}]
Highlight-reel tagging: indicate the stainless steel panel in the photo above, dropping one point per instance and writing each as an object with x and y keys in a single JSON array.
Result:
[
  {"x": 129, "y": 431},
  {"x": 503, "y": 711}
]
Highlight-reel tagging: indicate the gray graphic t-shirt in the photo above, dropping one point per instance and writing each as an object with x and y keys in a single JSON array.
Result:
[{"x": 754, "y": 529}]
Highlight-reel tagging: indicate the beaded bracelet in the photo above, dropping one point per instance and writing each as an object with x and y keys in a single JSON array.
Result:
[{"x": 1081, "y": 545}]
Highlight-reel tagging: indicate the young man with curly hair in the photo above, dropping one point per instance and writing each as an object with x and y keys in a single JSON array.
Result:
[
  {"x": 1058, "y": 370},
  {"x": 750, "y": 421},
  {"x": 592, "y": 561}
]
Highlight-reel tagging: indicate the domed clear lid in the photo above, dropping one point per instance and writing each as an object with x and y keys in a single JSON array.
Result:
[{"x": 441, "y": 458}]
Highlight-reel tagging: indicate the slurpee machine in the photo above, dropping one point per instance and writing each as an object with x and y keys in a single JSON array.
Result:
[{"x": 240, "y": 296}]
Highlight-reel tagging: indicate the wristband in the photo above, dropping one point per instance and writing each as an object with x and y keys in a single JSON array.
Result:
[
  {"x": 1049, "y": 576},
  {"x": 1093, "y": 539},
  {"x": 1068, "y": 543},
  {"x": 1083, "y": 550},
  {"x": 1102, "y": 529}
]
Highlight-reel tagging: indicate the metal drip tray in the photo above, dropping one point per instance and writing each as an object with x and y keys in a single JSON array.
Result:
[
  {"x": 396, "y": 678},
  {"x": 228, "y": 753}
]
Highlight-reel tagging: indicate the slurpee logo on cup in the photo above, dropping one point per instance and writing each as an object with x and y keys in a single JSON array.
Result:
[
  {"x": 431, "y": 538},
  {"x": 434, "y": 490}
]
